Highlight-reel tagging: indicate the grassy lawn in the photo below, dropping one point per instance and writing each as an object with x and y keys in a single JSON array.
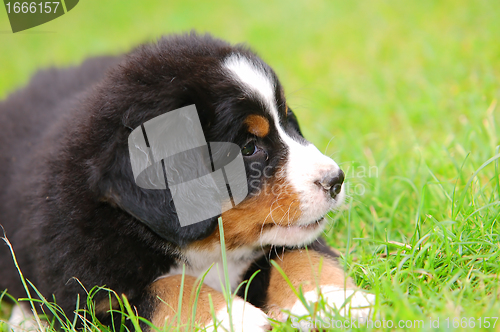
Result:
[{"x": 404, "y": 95}]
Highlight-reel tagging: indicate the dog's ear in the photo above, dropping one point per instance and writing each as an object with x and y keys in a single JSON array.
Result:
[{"x": 153, "y": 207}]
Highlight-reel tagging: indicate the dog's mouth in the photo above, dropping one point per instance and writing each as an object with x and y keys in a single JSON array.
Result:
[
  {"x": 313, "y": 225},
  {"x": 309, "y": 226},
  {"x": 287, "y": 234}
]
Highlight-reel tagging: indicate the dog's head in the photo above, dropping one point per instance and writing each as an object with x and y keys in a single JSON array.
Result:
[{"x": 239, "y": 99}]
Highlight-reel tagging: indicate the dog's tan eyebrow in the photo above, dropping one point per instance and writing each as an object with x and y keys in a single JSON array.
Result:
[{"x": 257, "y": 125}]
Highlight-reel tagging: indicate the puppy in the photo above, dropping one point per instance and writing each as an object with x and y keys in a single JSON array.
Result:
[{"x": 76, "y": 218}]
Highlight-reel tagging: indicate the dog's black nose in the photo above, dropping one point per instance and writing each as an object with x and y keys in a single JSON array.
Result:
[{"x": 332, "y": 183}]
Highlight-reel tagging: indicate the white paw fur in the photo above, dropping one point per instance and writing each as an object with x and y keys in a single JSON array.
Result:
[
  {"x": 245, "y": 318},
  {"x": 348, "y": 302},
  {"x": 21, "y": 319}
]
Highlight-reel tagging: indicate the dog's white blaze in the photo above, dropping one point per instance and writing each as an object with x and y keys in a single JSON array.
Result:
[
  {"x": 306, "y": 164},
  {"x": 252, "y": 77}
]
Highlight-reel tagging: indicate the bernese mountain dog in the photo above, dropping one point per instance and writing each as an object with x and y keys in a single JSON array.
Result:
[{"x": 76, "y": 219}]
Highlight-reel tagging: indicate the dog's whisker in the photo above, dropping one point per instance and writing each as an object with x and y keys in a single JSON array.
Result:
[{"x": 326, "y": 149}]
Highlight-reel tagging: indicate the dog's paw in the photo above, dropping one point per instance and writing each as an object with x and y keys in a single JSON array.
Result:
[
  {"x": 348, "y": 302},
  {"x": 245, "y": 317},
  {"x": 22, "y": 320}
]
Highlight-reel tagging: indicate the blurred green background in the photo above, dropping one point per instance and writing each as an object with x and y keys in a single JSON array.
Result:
[
  {"x": 342, "y": 62},
  {"x": 407, "y": 87}
]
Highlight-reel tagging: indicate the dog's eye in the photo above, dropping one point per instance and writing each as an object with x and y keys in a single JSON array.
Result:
[{"x": 249, "y": 149}]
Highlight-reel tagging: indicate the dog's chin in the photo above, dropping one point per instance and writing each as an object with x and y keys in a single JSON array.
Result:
[
  {"x": 303, "y": 231},
  {"x": 292, "y": 235}
]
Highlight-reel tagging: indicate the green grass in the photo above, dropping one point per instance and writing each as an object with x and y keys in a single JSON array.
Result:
[{"x": 406, "y": 89}]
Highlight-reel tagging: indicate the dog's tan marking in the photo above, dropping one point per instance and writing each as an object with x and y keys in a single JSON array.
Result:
[
  {"x": 168, "y": 290},
  {"x": 257, "y": 125},
  {"x": 277, "y": 204},
  {"x": 104, "y": 306},
  {"x": 303, "y": 269}
]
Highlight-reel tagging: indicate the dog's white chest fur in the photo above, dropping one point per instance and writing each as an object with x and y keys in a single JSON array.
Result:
[{"x": 199, "y": 261}]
